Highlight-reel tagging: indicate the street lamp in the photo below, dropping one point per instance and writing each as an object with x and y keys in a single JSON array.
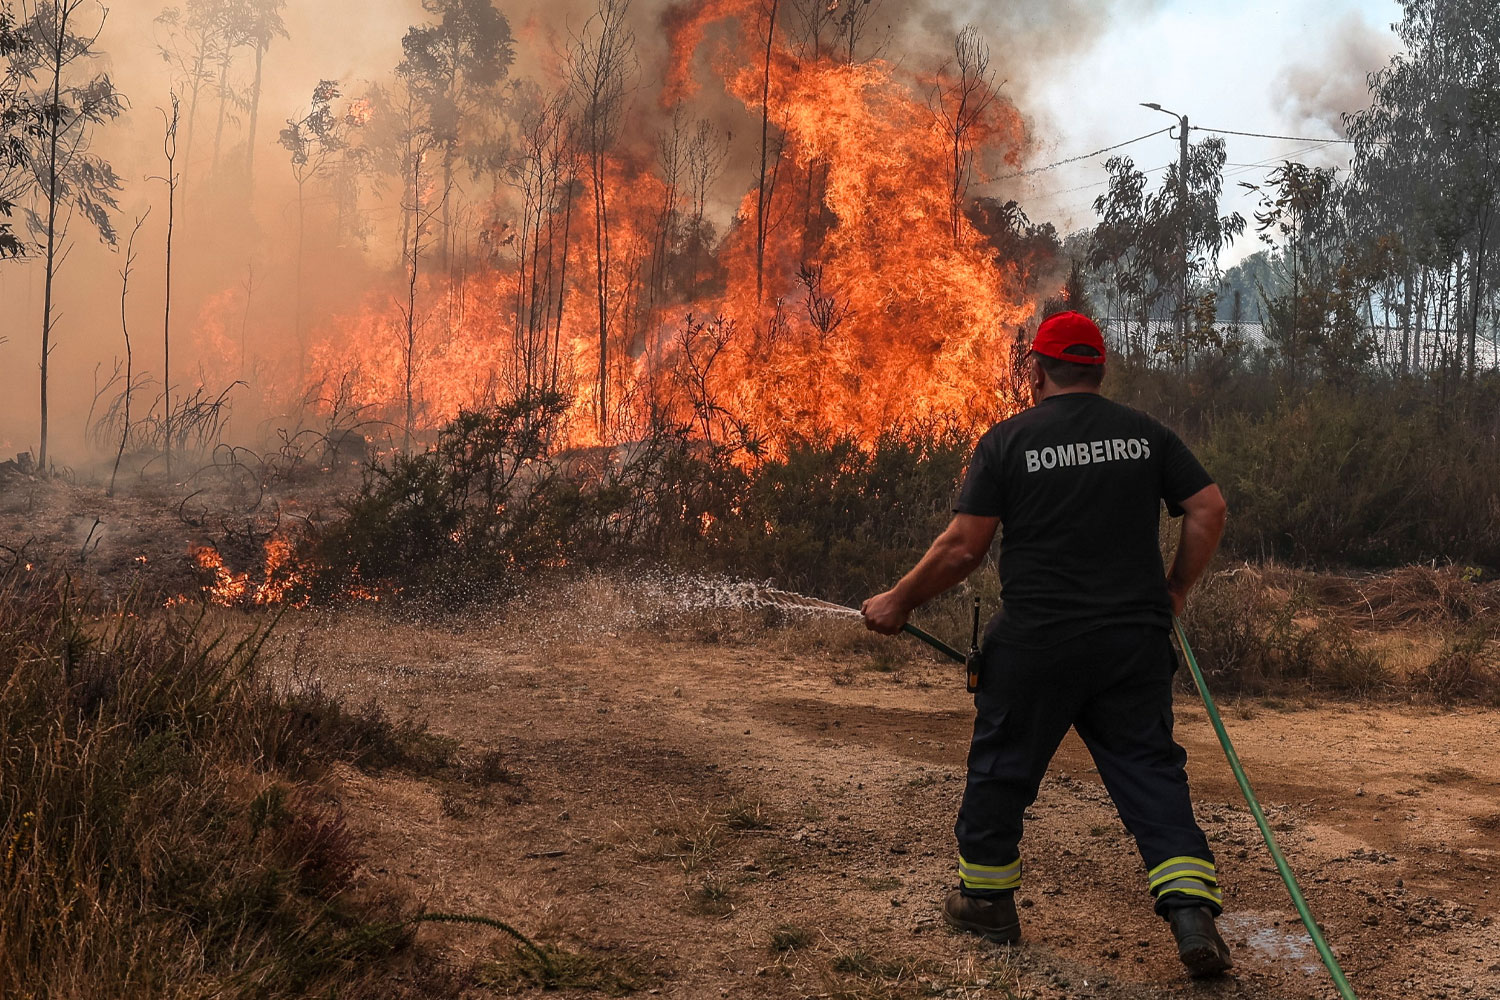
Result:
[{"x": 1182, "y": 234}]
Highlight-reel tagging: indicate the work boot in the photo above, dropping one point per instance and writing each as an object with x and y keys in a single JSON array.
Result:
[
  {"x": 991, "y": 917},
  {"x": 1199, "y": 945}
]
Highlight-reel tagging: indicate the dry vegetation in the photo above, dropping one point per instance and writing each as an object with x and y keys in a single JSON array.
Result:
[
  {"x": 1420, "y": 633},
  {"x": 165, "y": 826}
]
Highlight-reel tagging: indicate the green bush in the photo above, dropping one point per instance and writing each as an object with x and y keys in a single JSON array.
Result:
[
  {"x": 1352, "y": 479},
  {"x": 841, "y": 521},
  {"x": 1380, "y": 473},
  {"x": 490, "y": 504}
]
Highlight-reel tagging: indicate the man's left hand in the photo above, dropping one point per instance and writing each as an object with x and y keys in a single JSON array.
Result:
[{"x": 884, "y": 613}]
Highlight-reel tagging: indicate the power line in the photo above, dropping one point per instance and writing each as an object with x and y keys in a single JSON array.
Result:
[
  {"x": 1268, "y": 161},
  {"x": 1084, "y": 156},
  {"x": 1267, "y": 135},
  {"x": 1096, "y": 184},
  {"x": 1243, "y": 168}
]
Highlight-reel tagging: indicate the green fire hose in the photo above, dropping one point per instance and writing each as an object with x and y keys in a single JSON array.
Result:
[
  {"x": 1324, "y": 952},
  {"x": 934, "y": 642}
]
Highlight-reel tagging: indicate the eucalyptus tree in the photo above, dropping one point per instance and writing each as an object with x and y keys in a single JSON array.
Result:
[
  {"x": 707, "y": 151},
  {"x": 962, "y": 92},
  {"x": 1426, "y": 172},
  {"x": 770, "y": 159},
  {"x": 543, "y": 170},
  {"x": 1127, "y": 249},
  {"x": 319, "y": 142},
  {"x": 457, "y": 66},
  {"x": 20, "y": 127},
  {"x": 262, "y": 24},
  {"x": 401, "y": 143},
  {"x": 51, "y": 73},
  {"x": 190, "y": 38},
  {"x": 1144, "y": 236},
  {"x": 1311, "y": 310}
]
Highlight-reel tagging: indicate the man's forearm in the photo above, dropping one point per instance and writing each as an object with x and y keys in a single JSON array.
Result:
[
  {"x": 947, "y": 563},
  {"x": 1196, "y": 546}
]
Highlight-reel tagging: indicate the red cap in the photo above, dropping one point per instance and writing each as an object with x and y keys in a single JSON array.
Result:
[{"x": 1065, "y": 330}]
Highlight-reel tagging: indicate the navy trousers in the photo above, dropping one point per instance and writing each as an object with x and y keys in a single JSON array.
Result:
[{"x": 1114, "y": 685}]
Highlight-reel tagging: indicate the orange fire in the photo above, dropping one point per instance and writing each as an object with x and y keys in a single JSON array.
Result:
[
  {"x": 279, "y": 576},
  {"x": 877, "y": 305},
  {"x": 282, "y": 579}
]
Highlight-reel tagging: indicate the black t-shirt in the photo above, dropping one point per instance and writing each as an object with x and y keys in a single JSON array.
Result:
[{"x": 1077, "y": 482}]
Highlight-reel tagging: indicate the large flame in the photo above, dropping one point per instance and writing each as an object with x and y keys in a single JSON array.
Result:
[{"x": 876, "y": 306}]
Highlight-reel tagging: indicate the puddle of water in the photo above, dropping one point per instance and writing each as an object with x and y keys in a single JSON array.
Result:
[{"x": 1286, "y": 945}]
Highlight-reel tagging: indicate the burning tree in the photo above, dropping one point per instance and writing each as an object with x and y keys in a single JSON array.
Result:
[
  {"x": 543, "y": 170},
  {"x": 960, "y": 98},
  {"x": 602, "y": 58},
  {"x": 844, "y": 279}
]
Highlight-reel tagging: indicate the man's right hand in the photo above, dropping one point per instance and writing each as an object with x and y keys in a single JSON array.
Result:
[{"x": 884, "y": 613}]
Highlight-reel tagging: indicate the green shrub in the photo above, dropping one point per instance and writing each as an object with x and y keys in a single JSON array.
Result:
[
  {"x": 491, "y": 504},
  {"x": 841, "y": 521},
  {"x": 1378, "y": 475}
]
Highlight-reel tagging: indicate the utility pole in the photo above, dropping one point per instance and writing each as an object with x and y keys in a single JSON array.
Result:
[
  {"x": 1182, "y": 237},
  {"x": 1183, "y": 223}
]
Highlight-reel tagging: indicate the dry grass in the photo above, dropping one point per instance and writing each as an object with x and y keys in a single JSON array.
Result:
[
  {"x": 1417, "y": 633},
  {"x": 713, "y": 897},
  {"x": 162, "y": 831},
  {"x": 789, "y": 937},
  {"x": 592, "y": 970},
  {"x": 880, "y": 974},
  {"x": 686, "y": 835}
]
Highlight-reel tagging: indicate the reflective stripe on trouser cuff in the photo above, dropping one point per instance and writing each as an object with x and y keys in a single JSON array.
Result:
[
  {"x": 1190, "y": 886},
  {"x": 989, "y": 876},
  {"x": 1175, "y": 868}
]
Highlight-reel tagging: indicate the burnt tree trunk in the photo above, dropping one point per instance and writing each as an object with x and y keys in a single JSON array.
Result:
[{"x": 762, "y": 191}]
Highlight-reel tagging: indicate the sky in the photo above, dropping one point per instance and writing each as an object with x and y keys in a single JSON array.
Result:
[{"x": 1281, "y": 68}]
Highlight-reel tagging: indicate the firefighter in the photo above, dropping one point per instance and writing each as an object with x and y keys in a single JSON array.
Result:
[{"x": 1082, "y": 638}]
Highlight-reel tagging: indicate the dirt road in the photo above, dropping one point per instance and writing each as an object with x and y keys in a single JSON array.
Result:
[{"x": 713, "y": 810}]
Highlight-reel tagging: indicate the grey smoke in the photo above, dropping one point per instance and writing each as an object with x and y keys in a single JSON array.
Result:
[{"x": 1322, "y": 86}]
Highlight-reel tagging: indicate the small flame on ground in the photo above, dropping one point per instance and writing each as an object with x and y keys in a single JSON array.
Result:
[{"x": 282, "y": 579}]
